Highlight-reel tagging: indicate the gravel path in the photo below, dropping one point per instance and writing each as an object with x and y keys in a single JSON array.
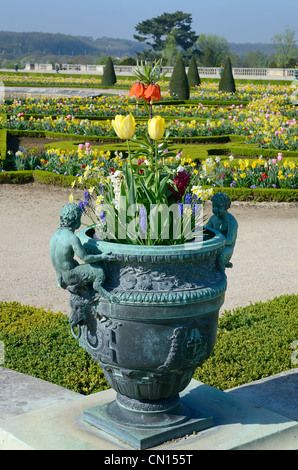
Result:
[{"x": 265, "y": 258}]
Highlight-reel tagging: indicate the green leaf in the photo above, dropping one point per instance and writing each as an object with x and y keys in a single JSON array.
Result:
[
  {"x": 149, "y": 194},
  {"x": 162, "y": 186}
]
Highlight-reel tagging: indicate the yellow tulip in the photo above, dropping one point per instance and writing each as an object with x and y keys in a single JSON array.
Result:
[
  {"x": 156, "y": 127},
  {"x": 124, "y": 126}
]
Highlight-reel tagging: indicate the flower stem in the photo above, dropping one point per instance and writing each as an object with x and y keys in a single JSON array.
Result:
[
  {"x": 150, "y": 116},
  {"x": 156, "y": 167},
  {"x": 129, "y": 154}
]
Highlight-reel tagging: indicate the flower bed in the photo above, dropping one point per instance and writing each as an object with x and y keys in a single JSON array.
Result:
[
  {"x": 259, "y": 173},
  {"x": 268, "y": 121},
  {"x": 264, "y": 127}
]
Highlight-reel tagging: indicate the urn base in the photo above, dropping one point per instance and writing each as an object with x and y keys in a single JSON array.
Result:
[{"x": 144, "y": 424}]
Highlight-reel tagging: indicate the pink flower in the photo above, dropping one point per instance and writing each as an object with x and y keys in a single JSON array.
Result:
[
  {"x": 274, "y": 161},
  {"x": 279, "y": 157},
  {"x": 81, "y": 146}
]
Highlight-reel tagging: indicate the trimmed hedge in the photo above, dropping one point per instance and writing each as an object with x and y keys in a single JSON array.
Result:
[
  {"x": 16, "y": 177},
  {"x": 260, "y": 194},
  {"x": 3, "y": 144},
  {"x": 252, "y": 342},
  {"x": 35, "y": 176},
  {"x": 39, "y": 343}
]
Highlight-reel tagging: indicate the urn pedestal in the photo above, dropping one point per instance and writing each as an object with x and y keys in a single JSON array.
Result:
[{"x": 157, "y": 326}]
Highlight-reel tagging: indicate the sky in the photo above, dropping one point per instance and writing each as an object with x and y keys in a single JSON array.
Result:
[{"x": 236, "y": 20}]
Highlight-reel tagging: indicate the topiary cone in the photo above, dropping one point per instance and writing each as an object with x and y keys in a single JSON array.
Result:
[
  {"x": 193, "y": 74},
  {"x": 179, "y": 87},
  {"x": 226, "y": 82},
  {"x": 109, "y": 76}
]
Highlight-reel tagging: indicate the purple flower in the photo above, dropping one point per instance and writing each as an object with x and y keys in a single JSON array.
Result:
[
  {"x": 82, "y": 206},
  {"x": 180, "y": 209},
  {"x": 143, "y": 220},
  {"x": 188, "y": 198},
  {"x": 87, "y": 198}
]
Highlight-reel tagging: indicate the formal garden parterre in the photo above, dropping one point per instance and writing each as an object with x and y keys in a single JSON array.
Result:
[{"x": 247, "y": 139}]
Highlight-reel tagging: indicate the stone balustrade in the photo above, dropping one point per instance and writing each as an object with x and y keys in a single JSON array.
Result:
[{"x": 204, "y": 72}]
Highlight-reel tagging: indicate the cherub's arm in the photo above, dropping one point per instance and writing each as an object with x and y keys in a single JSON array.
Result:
[
  {"x": 210, "y": 222},
  {"x": 232, "y": 231},
  {"x": 83, "y": 255}
]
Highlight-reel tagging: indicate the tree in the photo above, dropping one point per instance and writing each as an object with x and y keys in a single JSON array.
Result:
[
  {"x": 109, "y": 77},
  {"x": 170, "y": 52},
  {"x": 213, "y": 50},
  {"x": 255, "y": 59},
  {"x": 179, "y": 87},
  {"x": 286, "y": 52},
  {"x": 227, "y": 83},
  {"x": 193, "y": 74},
  {"x": 155, "y": 30}
]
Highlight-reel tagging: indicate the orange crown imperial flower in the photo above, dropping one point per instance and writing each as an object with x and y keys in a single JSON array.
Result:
[
  {"x": 137, "y": 90},
  {"x": 152, "y": 93}
]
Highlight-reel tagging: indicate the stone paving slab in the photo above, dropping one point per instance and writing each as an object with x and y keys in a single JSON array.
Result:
[
  {"x": 21, "y": 393},
  {"x": 278, "y": 393},
  {"x": 238, "y": 424}
]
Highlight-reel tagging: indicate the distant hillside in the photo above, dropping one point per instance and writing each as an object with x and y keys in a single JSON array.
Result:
[
  {"x": 39, "y": 47},
  {"x": 48, "y": 44},
  {"x": 64, "y": 44}
]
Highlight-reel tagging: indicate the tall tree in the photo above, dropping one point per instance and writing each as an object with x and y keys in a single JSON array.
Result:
[
  {"x": 255, "y": 59},
  {"x": 154, "y": 31},
  {"x": 213, "y": 50},
  {"x": 286, "y": 54},
  {"x": 170, "y": 52}
]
